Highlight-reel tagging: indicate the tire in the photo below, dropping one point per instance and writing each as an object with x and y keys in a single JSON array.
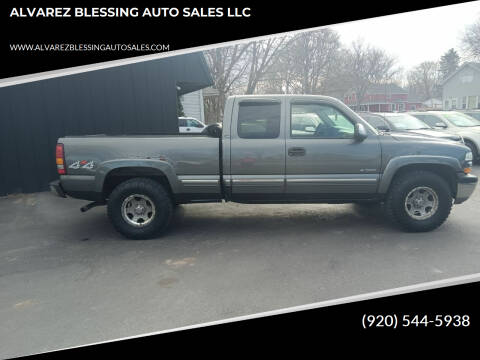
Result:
[
  {"x": 140, "y": 208},
  {"x": 412, "y": 194},
  {"x": 473, "y": 149}
]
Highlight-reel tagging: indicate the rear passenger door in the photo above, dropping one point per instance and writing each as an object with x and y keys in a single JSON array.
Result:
[{"x": 257, "y": 149}]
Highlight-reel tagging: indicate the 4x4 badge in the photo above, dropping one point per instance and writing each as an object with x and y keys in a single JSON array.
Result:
[{"x": 84, "y": 164}]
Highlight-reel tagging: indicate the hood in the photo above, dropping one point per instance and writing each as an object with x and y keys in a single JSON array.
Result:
[
  {"x": 414, "y": 135},
  {"x": 437, "y": 134}
]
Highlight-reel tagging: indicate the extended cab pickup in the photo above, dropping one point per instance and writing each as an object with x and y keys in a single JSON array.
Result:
[{"x": 272, "y": 149}]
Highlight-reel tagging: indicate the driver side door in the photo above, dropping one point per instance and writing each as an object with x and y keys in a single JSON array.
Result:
[{"x": 327, "y": 162}]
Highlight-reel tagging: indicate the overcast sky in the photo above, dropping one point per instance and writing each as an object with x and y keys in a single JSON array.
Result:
[{"x": 415, "y": 36}]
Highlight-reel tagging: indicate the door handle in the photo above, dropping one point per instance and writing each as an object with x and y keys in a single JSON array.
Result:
[{"x": 296, "y": 151}]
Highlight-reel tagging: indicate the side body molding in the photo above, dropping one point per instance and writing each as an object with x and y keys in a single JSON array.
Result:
[
  {"x": 164, "y": 166},
  {"x": 398, "y": 162}
]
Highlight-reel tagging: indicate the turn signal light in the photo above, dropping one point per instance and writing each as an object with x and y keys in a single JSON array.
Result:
[
  {"x": 60, "y": 159},
  {"x": 467, "y": 170}
]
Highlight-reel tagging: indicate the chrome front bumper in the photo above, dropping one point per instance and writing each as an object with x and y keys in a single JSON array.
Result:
[{"x": 465, "y": 186}]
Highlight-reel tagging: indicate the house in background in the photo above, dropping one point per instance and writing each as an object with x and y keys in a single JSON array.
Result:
[
  {"x": 193, "y": 103},
  {"x": 383, "y": 98},
  {"x": 461, "y": 90},
  {"x": 433, "y": 104}
]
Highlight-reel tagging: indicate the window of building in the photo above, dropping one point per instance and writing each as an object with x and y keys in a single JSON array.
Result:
[{"x": 464, "y": 102}]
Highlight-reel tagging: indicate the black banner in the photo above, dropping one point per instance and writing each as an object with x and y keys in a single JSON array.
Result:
[{"x": 75, "y": 28}]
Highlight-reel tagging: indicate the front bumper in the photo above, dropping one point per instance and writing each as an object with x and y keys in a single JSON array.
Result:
[
  {"x": 465, "y": 186},
  {"x": 56, "y": 188}
]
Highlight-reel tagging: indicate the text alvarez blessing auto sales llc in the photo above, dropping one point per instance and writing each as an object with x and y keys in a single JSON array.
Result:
[{"x": 113, "y": 12}]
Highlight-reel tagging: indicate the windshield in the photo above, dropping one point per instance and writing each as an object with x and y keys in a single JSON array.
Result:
[
  {"x": 406, "y": 122},
  {"x": 462, "y": 120}
]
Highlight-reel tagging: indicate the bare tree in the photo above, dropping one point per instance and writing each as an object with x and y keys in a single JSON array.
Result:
[
  {"x": 263, "y": 55},
  {"x": 367, "y": 65},
  {"x": 424, "y": 80},
  {"x": 313, "y": 58},
  {"x": 471, "y": 40},
  {"x": 228, "y": 66}
]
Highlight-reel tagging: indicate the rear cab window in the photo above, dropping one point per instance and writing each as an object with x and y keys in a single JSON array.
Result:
[{"x": 259, "y": 120}]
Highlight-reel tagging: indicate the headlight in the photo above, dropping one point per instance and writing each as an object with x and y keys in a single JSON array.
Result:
[{"x": 469, "y": 156}]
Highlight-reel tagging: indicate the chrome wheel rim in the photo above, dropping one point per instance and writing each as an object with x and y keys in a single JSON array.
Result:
[
  {"x": 138, "y": 210},
  {"x": 421, "y": 203}
]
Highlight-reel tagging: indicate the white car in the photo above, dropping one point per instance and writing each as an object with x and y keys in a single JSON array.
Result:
[
  {"x": 457, "y": 123},
  {"x": 190, "y": 125}
]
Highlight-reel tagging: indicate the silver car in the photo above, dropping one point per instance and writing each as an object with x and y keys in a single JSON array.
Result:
[{"x": 457, "y": 123}]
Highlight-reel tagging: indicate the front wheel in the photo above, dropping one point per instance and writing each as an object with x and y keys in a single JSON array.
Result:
[
  {"x": 418, "y": 201},
  {"x": 139, "y": 208},
  {"x": 474, "y": 151}
]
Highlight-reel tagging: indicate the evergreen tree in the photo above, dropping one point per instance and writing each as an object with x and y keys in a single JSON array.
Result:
[{"x": 449, "y": 63}]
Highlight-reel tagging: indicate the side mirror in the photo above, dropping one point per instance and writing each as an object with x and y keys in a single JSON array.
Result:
[
  {"x": 360, "y": 133},
  {"x": 213, "y": 130},
  {"x": 440, "y": 125}
]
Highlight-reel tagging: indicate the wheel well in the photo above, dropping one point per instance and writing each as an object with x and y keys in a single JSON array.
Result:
[
  {"x": 474, "y": 146},
  {"x": 117, "y": 176},
  {"x": 444, "y": 171}
]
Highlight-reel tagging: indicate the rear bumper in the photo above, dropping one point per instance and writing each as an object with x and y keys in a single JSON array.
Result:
[
  {"x": 56, "y": 188},
  {"x": 465, "y": 186}
]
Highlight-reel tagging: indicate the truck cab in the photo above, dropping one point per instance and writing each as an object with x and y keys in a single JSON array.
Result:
[{"x": 292, "y": 148}]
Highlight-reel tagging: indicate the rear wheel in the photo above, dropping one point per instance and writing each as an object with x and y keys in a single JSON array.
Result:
[
  {"x": 139, "y": 208},
  {"x": 418, "y": 201}
]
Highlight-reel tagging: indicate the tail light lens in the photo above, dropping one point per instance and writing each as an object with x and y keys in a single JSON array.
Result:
[{"x": 60, "y": 159}]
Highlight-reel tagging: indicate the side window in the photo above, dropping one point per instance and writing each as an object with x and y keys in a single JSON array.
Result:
[
  {"x": 258, "y": 120},
  {"x": 197, "y": 124},
  {"x": 320, "y": 121},
  {"x": 182, "y": 122}
]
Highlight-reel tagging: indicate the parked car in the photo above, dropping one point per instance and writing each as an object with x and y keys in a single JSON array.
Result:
[
  {"x": 405, "y": 123},
  {"x": 473, "y": 113},
  {"x": 457, "y": 123},
  {"x": 259, "y": 158},
  {"x": 190, "y": 125}
]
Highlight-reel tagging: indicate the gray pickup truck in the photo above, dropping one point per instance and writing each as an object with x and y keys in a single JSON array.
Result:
[{"x": 272, "y": 149}]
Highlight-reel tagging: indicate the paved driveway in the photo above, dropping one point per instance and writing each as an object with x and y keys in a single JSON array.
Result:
[{"x": 68, "y": 278}]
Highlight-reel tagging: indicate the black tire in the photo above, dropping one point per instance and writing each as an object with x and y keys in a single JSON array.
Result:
[
  {"x": 395, "y": 203},
  {"x": 473, "y": 149},
  {"x": 157, "y": 219}
]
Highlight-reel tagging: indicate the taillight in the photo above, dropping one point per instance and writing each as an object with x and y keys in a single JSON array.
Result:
[{"x": 60, "y": 159}]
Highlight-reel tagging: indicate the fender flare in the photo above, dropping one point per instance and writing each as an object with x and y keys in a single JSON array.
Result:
[
  {"x": 159, "y": 165},
  {"x": 399, "y": 162}
]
